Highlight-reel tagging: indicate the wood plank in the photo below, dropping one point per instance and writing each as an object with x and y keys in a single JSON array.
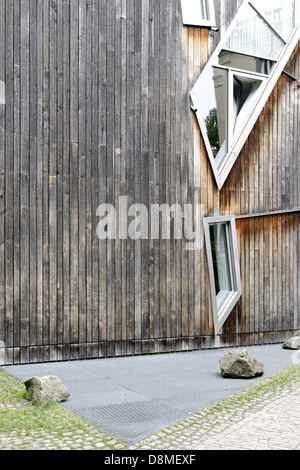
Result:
[
  {"x": 110, "y": 32},
  {"x": 74, "y": 170},
  {"x": 102, "y": 164},
  {"x": 52, "y": 175},
  {"x": 59, "y": 172},
  {"x": 33, "y": 174},
  {"x": 10, "y": 181},
  {"x": 16, "y": 153},
  {"x": 66, "y": 286},
  {"x": 82, "y": 121},
  {"x": 2, "y": 176},
  {"x": 99, "y": 108},
  {"x": 94, "y": 174}
]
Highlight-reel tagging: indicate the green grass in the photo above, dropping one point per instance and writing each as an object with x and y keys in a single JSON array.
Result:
[
  {"x": 20, "y": 417},
  {"x": 268, "y": 386},
  {"x": 53, "y": 419}
]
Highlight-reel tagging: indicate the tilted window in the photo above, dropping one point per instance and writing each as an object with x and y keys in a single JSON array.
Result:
[
  {"x": 198, "y": 12},
  {"x": 240, "y": 76},
  {"x": 223, "y": 266}
]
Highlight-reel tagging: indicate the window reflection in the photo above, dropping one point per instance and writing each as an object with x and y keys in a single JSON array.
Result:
[
  {"x": 253, "y": 36},
  {"x": 281, "y": 15},
  {"x": 245, "y": 62},
  {"x": 197, "y": 8},
  {"x": 238, "y": 77},
  {"x": 220, "y": 258},
  {"x": 198, "y": 12},
  {"x": 244, "y": 93},
  {"x": 213, "y": 107}
]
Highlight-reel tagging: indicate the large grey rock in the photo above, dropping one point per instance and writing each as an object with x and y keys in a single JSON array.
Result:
[
  {"x": 293, "y": 343},
  {"x": 42, "y": 390},
  {"x": 241, "y": 364}
]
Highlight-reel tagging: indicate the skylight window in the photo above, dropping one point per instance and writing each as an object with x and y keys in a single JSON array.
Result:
[
  {"x": 198, "y": 12},
  {"x": 240, "y": 76},
  {"x": 223, "y": 266}
]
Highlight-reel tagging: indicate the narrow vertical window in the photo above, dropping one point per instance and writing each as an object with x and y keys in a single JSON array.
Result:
[
  {"x": 223, "y": 266},
  {"x": 198, "y": 12}
]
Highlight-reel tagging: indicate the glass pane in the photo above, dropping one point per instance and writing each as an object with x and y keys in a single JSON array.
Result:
[
  {"x": 193, "y": 9},
  {"x": 245, "y": 62},
  {"x": 252, "y": 36},
  {"x": 220, "y": 256},
  {"x": 204, "y": 7},
  {"x": 244, "y": 94},
  {"x": 212, "y": 99},
  {"x": 280, "y": 14}
]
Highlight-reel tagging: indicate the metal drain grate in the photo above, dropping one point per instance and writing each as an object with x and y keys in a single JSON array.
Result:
[
  {"x": 132, "y": 398},
  {"x": 131, "y": 422}
]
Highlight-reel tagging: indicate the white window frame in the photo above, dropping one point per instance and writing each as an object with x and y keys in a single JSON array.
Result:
[
  {"x": 192, "y": 17},
  {"x": 221, "y": 173},
  {"x": 221, "y": 313}
]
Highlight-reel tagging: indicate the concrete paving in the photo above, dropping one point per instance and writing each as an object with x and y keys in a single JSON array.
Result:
[{"x": 132, "y": 398}]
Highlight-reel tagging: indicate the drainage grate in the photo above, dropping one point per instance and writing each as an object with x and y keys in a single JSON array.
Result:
[{"x": 131, "y": 422}]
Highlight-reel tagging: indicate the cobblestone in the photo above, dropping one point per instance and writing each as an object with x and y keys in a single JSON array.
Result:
[
  {"x": 275, "y": 426},
  {"x": 269, "y": 422}
]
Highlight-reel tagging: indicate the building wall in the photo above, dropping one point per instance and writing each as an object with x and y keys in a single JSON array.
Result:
[{"x": 97, "y": 107}]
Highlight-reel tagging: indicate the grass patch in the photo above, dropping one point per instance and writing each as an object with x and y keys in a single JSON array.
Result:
[
  {"x": 266, "y": 387},
  {"x": 247, "y": 399},
  {"x": 20, "y": 416}
]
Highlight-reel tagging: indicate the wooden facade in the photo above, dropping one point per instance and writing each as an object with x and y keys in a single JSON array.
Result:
[{"x": 97, "y": 106}]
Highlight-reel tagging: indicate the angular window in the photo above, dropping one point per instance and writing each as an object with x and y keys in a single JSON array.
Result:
[
  {"x": 280, "y": 14},
  {"x": 240, "y": 76},
  {"x": 198, "y": 12},
  {"x": 223, "y": 266}
]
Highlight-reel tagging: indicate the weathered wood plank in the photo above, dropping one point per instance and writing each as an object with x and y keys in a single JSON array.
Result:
[
  {"x": 99, "y": 108},
  {"x": 9, "y": 173},
  {"x": 2, "y": 174},
  {"x": 74, "y": 171}
]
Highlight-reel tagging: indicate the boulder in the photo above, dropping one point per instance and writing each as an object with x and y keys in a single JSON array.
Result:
[
  {"x": 42, "y": 390},
  {"x": 293, "y": 343},
  {"x": 240, "y": 364}
]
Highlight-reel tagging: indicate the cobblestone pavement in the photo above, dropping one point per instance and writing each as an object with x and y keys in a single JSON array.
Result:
[
  {"x": 271, "y": 423},
  {"x": 267, "y": 422},
  {"x": 275, "y": 427}
]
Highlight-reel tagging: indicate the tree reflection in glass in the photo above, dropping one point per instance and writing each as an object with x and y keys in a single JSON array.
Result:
[
  {"x": 230, "y": 92},
  {"x": 213, "y": 108}
]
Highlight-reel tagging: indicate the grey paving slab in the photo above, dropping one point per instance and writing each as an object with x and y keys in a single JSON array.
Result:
[{"x": 134, "y": 397}]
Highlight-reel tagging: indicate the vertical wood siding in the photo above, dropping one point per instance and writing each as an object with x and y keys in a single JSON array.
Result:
[{"x": 97, "y": 107}]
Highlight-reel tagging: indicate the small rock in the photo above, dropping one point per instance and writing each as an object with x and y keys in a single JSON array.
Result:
[
  {"x": 42, "y": 390},
  {"x": 240, "y": 364},
  {"x": 293, "y": 343}
]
